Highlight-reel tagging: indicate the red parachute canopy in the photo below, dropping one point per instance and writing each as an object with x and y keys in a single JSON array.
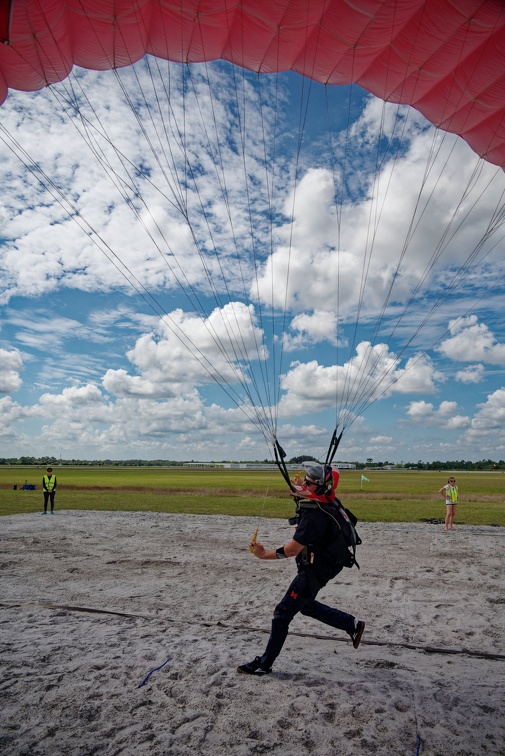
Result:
[{"x": 446, "y": 58}]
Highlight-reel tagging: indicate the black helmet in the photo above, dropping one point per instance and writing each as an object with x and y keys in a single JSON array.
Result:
[{"x": 320, "y": 474}]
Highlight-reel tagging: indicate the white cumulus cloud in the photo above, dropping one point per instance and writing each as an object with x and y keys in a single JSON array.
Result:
[
  {"x": 373, "y": 373},
  {"x": 471, "y": 341},
  {"x": 470, "y": 374},
  {"x": 444, "y": 416},
  {"x": 307, "y": 329},
  {"x": 11, "y": 365}
]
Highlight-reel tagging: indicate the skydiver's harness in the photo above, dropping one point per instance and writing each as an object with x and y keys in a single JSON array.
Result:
[{"x": 340, "y": 549}]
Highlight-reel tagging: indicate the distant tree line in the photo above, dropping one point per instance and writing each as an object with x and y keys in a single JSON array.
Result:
[
  {"x": 54, "y": 462},
  {"x": 483, "y": 464}
]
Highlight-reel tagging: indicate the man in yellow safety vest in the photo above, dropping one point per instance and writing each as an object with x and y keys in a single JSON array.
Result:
[{"x": 49, "y": 488}]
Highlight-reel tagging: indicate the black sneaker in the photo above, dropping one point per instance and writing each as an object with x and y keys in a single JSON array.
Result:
[
  {"x": 357, "y": 633},
  {"x": 253, "y": 668}
]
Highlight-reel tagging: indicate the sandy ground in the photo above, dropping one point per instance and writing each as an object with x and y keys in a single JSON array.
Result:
[{"x": 428, "y": 678}]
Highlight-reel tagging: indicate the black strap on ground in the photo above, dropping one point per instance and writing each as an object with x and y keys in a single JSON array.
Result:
[
  {"x": 70, "y": 608},
  {"x": 411, "y": 646},
  {"x": 249, "y": 629}
]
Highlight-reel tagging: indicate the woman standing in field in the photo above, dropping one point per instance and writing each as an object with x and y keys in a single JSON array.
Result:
[{"x": 450, "y": 494}]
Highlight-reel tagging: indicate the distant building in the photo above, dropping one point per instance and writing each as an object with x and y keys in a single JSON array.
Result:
[
  {"x": 240, "y": 465},
  {"x": 260, "y": 465}
]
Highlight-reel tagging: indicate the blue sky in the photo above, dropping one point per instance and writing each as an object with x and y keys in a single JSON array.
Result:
[{"x": 192, "y": 261}]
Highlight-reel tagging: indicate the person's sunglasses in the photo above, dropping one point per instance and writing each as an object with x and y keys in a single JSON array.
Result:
[{"x": 310, "y": 482}]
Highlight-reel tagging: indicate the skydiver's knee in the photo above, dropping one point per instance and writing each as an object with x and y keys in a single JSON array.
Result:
[
  {"x": 308, "y": 609},
  {"x": 281, "y": 615}
]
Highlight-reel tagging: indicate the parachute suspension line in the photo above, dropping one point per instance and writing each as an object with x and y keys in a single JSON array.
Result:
[
  {"x": 171, "y": 133},
  {"x": 419, "y": 357},
  {"x": 394, "y": 163},
  {"x": 466, "y": 268},
  {"x": 272, "y": 396},
  {"x": 339, "y": 184},
  {"x": 459, "y": 276},
  {"x": 260, "y": 348},
  {"x": 349, "y": 381},
  {"x": 223, "y": 188},
  {"x": 365, "y": 372},
  {"x": 361, "y": 393},
  {"x": 290, "y": 244},
  {"x": 344, "y": 390},
  {"x": 249, "y": 205},
  {"x": 338, "y": 217},
  {"x": 74, "y": 214},
  {"x": 302, "y": 118},
  {"x": 178, "y": 200},
  {"x": 443, "y": 242},
  {"x": 207, "y": 325},
  {"x": 222, "y": 183},
  {"x": 277, "y": 354},
  {"x": 367, "y": 395},
  {"x": 234, "y": 343},
  {"x": 350, "y": 385},
  {"x": 95, "y": 238},
  {"x": 259, "y": 352},
  {"x": 242, "y": 108},
  {"x": 355, "y": 388},
  {"x": 264, "y": 366},
  {"x": 72, "y": 102},
  {"x": 185, "y": 289}
]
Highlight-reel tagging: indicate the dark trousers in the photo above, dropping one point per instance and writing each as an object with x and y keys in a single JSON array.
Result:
[
  {"x": 49, "y": 495},
  {"x": 299, "y": 598}
]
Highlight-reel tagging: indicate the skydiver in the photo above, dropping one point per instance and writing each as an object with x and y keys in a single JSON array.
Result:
[{"x": 318, "y": 554}]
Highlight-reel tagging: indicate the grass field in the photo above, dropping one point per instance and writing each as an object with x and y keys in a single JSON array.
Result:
[{"x": 403, "y": 496}]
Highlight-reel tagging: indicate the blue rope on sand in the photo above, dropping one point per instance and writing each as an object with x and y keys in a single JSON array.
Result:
[
  {"x": 419, "y": 744},
  {"x": 146, "y": 678}
]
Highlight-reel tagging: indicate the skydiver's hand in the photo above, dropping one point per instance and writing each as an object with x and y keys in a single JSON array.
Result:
[{"x": 257, "y": 549}]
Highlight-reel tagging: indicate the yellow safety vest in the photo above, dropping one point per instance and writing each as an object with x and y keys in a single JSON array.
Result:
[
  {"x": 49, "y": 482},
  {"x": 452, "y": 493}
]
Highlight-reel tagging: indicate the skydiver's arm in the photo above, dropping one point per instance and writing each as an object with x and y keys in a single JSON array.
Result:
[{"x": 291, "y": 549}]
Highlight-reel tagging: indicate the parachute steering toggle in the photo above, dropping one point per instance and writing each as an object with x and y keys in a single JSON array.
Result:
[
  {"x": 255, "y": 536},
  {"x": 253, "y": 541}
]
